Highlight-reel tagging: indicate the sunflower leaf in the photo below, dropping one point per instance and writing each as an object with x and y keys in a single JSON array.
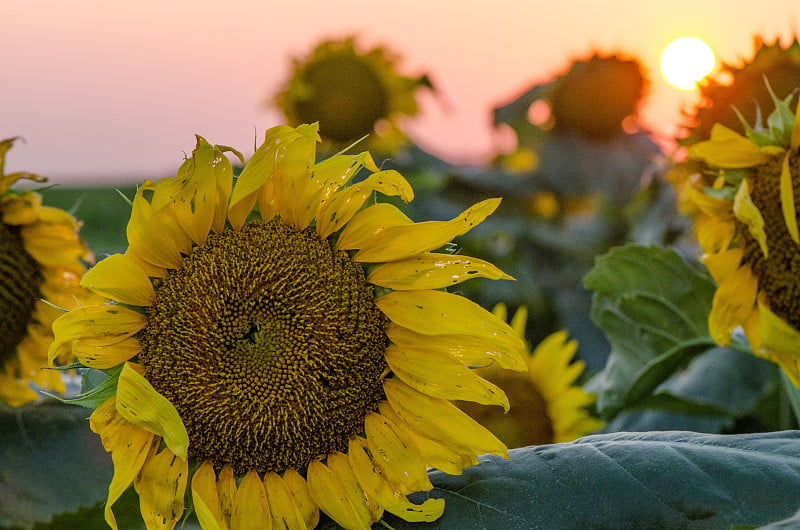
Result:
[
  {"x": 653, "y": 307},
  {"x": 627, "y": 480},
  {"x": 46, "y": 450}
]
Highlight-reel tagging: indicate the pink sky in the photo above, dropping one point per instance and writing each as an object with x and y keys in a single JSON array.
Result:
[{"x": 107, "y": 91}]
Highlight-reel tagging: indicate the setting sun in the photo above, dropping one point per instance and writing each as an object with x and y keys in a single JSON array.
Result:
[{"x": 686, "y": 61}]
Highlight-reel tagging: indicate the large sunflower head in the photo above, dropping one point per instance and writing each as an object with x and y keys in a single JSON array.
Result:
[
  {"x": 351, "y": 94},
  {"x": 742, "y": 88},
  {"x": 297, "y": 347},
  {"x": 596, "y": 95},
  {"x": 747, "y": 226},
  {"x": 546, "y": 404},
  {"x": 41, "y": 257}
]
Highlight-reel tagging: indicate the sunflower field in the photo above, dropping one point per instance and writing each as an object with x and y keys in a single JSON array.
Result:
[{"x": 342, "y": 330}]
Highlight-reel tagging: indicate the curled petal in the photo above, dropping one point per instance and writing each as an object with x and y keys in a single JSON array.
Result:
[
  {"x": 120, "y": 278},
  {"x": 433, "y": 271},
  {"x": 368, "y": 223},
  {"x": 728, "y": 149},
  {"x": 747, "y": 212},
  {"x": 787, "y": 200}
]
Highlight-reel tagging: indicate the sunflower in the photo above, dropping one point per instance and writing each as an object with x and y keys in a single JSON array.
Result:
[
  {"x": 41, "y": 257},
  {"x": 748, "y": 230},
  {"x": 742, "y": 87},
  {"x": 296, "y": 347},
  {"x": 351, "y": 94},
  {"x": 546, "y": 405}
]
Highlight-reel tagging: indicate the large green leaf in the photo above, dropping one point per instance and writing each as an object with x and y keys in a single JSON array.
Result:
[
  {"x": 653, "y": 307},
  {"x": 627, "y": 480},
  {"x": 50, "y": 463}
]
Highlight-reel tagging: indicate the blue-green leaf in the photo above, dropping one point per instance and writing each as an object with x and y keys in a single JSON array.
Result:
[{"x": 627, "y": 481}]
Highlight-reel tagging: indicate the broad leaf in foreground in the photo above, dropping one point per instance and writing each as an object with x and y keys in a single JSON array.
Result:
[{"x": 627, "y": 480}]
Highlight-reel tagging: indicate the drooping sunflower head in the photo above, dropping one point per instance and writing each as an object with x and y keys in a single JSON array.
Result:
[
  {"x": 41, "y": 257},
  {"x": 742, "y": 87},
  {"x": 352, "y": 94},
  {"x": 596, "y": 95},
  {"x": 747, "y": 227},
  {"x": 296, "y": 345},
  {"x": 546, "y": 404}
]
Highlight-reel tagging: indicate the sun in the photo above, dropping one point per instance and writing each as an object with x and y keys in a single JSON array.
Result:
[{"x": 686, "y": 61}]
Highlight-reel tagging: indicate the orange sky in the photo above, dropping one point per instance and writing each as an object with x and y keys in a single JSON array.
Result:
[{"x": 110, "y": 91}]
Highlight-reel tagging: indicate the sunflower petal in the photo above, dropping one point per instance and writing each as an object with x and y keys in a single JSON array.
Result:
[
  {"x": 105, "y": 323},
  {"x": 298, "y": 487},
  {"x": 205, "y": 498},
  {"x": 401, "y": 465},
  {"x": 433, "y": 271},
  {"x": 471, "y": 351},
  {"x": 779, "y": 341},
  {"x": 375, "y": 484},
  {"x": 161, "y": 485},
  {"x": 733, "y": 301},
  {"x": 435, "y": 454},
  {"x": 284, "y": 512},
  {"x": 119, "y": 278},
  {"x": 405, "y": 241},
  {"x": 331, "y": 493},
  {"x": 129, "y": 447},
  {"x": 226, "y": 492},
  {"x": 787, "y": 201},
  {"x": 747, "y": 212},
  {"x": 441, "y": 420},
  {"x": 451, "y": 379},
  {"x": 103, "y": 356},
  {"x": 727, "y": 149},
  {"x": 439, "y": 313},
  {"x": 153, "y": 237},
  {"x": 294, "y": 162},
  {"x": 255, "y": 175},
  {"x": 250, "y": 509},
  {"x": 368, "y": 223},
  {"x": 341, "y": 208},
  {"x": 140, "y": 403}
]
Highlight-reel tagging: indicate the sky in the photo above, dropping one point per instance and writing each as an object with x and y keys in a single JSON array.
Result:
[{"x": 105, "y": 91}]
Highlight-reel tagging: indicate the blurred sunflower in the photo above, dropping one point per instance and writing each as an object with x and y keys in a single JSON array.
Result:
[
  {"x": 747, "y": 227},
  {"x": 546, "y": 405},
  {"x": 743, "y": 88},
  {"x": 297, "y": 347},
  {"x": 351, "y": 94},
  {"x": 41, "y": 257}
]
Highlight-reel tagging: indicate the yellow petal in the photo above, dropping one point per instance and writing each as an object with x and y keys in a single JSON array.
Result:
[
  {"x": 335, "y": 172},
  {"x": 301, "y": 496},
  {"x": 205, "y": 498},
  {"x": 226, "y": 491},
  {"x": 441, "y": 420},
  {"x": 161, "y": 485},
  {"x": 450, "y": 379},
  {"x": 779, "y": 341},
  {"x": 103, "y": 356},
  {"x": 368, "y": 223},
  {"x": 747, "y": 212},
  {"x": 376, "y": 485},
  {"x": 472, "y": 351},
  {"x": 119, "y": 278},
  {"x": 446, "y": 458},
  {"x": 727, "y": 149},
  {"x": 140, "y": 403},
  {"x": 433, "y": 271},
  {"x": 250, "y": 509},
  {"x": 284, "y": 512},
  {"x": 398, "y": 461},
  {"x": 105, "y": 323},
  {"x": 439, "y": 313},
  {"x": 733, "y": 301},
  {"x": 156, "y": 237},
  {"x": 341, "y": 208},
  {"x": 331, "y": 493},
  {"x": 255, "y": 175},
  {"x": 722, "y": 264},
  {"x": 795, "y": 142},
  {"x": 294, "y": 162},
  {"x": 405, "y": 241},
  {"x": 787, "y": 200},
  {"x": 129, "y": 447}
]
